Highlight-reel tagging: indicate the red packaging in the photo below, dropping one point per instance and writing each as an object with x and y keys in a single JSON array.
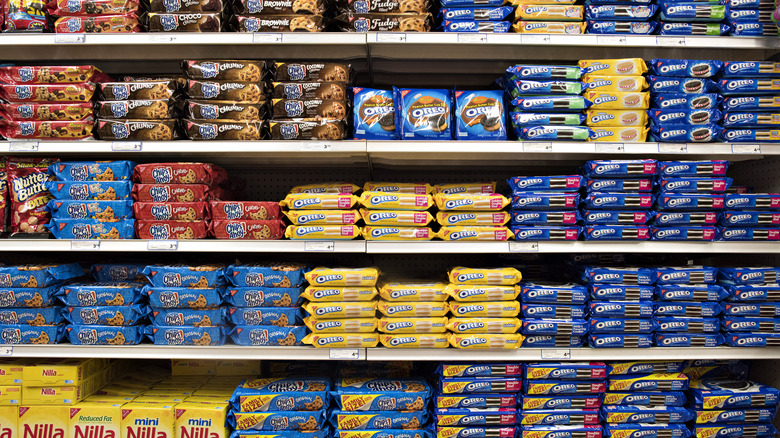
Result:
[
  {"x": 220, "y": 194},
  {"x": 63, "y": 8},
  {"x": 170, "y": 192},
  {"x": 98, "y": 24},
  {"x": 47, "y": 92},
  {"x": 3, "y": 194},
  {"x": 248, "y": 230},
  {"x": 46, "y": 111},
  {"x": 49, "y": 130},
  {"x": 24, "y": 15},
  {"x": 180, "y": 173},
  {"x": 162, "y": 230},
  {"x": 28, "y": 194},
  {"x": 246, "y": 210},
  {"x": 177, "y": 211},
  {"x": 62, "y": 74}
]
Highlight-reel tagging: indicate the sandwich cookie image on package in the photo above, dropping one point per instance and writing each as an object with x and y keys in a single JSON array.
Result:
[
  {"x": 685, "y": 67},
  {"x": 423, "y": 114},
  {"x": 557, "y": 27},
  {"x": 613, "y": 27},
  {"x": 480, "y": 115},
  {"x": 374, "y": 114}
]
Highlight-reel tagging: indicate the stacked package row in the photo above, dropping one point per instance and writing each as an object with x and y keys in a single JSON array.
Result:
[
  {"x": 545, "y": 207},
  {"x": 616, "y": 17},
  {"x": 557, "y": 309},
  {"x": 396, "y": 211},
  {"x": 750, "y": 216},
  {"x": 91, "y": 200},
  {"x": 322, "y": 211},
  {"x": 549, "y": 16},
  {"x": 476, "y": 16},
  {"x": 413, "y": 314},
  {"x": 493, "y": 290},
  {"x": 751, "y": 18},
  {"x": 471, "y": 211},
  {"x": 275, "y": 16},
  {"x": 751, "y": 311},
  {"x": 186, "y": 16},
  {"x": 693, "y": 18},
  {"x": 390, "y": 16}
]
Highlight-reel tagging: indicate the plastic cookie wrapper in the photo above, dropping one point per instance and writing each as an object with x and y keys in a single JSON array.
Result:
[
  {"x": 262, "y": 296},
  {"x": 326, "y": 188},
  {"x": 467, "y": 369},
  {"x": 189, "y": 317},
  {"x": 496, "y": 309},
  {"x": 308, "y": 201},
  {"x": 319, "y": 232},
  {"x": 619, "y": 67},
  {"x": 183, "y": 298},
  {"x": 479, "y": 292},
  {"x": 611, "y": 118},
  {"x": 685, "y": 67},
  {"x": 100, "y": 294},
  {"x": 413, "y": 291},
  {"x": 665, "y": 84},
  {"x": 549, "y": 27},
  {"x": 395, "y": 201},
  {"x": 483, "y": 325},
  {"x": 351, "y": 325},
  {"x": 297, "y": 420},
  {"x": 496, "y": 233},
  {"x": 84, "y": 229},
  {"x": 92, "y": 170},
  {"x": 105, "y": 315},
  {"x": 614, "y": 83},
  {"x": 685, "y": 116},
  {"x": 40, "y": 316},
  {"x": 620, "y": 134},
  {"x": 322, "y": 276},
  {"x": 413, "y": 308},
  {"x": 104, "y": 335},
  {"x": 480, "y": 385},
  {"x": 341, "y": 310},
  {"x": 414, "y": 340},
  {"x": 342, "y": 340},
  {"x": 479, "y": 188},
  {"x": 397, "y": 233},
  {"x": 486, "y": 341},
  {"x": 396, "y": 218},
  {"x": 688, "y": 101},
  {"x": 334, "y": 293},
  {"x": 470, "y": 202},
  {"x": 519, "y": 119},
  {"x": 29, "y": 334},
  {"x": 267, "y": 335},
  {"x": 618, "y": 100},
  {"x": 322, "y": 217},
  {"x": 360, "y": 420}
]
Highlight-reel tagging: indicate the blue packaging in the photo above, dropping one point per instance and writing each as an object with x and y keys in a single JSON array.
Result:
[
  {"x": 618, "y": 200},
  {"x": 545, "y": 200},
  {"x": 100, "y": 294},
  {"x": 596, "y": 217},
  {"x": 539, "y": 293},
  {"x": 107, "y": 272},
  {"x": 734, "y": 234},
  {"x": 734, "y": 430},
  {"x": 559, "y": 416},
  {"x": 641, "y": 367},
  {"x": 686, "y": 133},
  {"x": 473, "y": 26},
  {"x": 616, "y": 325},
  {"x": 685, "y": 67},
  {"x": 561, "y": 431},
  {"x": 563, "y": 387},
  {"x": 751, "y": 120},
  {"x": 663, "y": 218},
  {"x": 647, "y": 430},
  {"x": 566, "y": 327},
  {"x": 750, "y": 103},
  {"x": 528, "y": 87},
  {"x": 537, "y": 119},
  {"x": 480, "y": 115},
  {"x": 530, "y": 403},
  {"x": 84, "y": 229},
  {"x": 92, "y": 170},
  {"x": 269, "y": 275},
  {"x": 742, "y": 86},
  {"x": 685, "y": 274},
  {"x": 31, "y": 316},
  {"x": 675, "y": 85},
  {"x": 271, "y": 421},
  {"x": 534, "y": 217},
  {"x": 478, "y": 370},
  {"x": 546, "y": 232},
  {"x": 32, "y": 276},
  {"x": 549, "y": 341},
  {"x": 183, "y": 298},
  {"x": 703, "y": 309},
  {"x": 753, "y": 292},
  {"x": 709, "y": 29},
  {"x": 262, "y": 296},
  {"x": 278, "y": 316},
  {"x": 749, "y": 275},
  {"x": 684, "y": 116},
  {"x": 563, "y": 183},
  {"x": 693, "y": 168},
  {"x": 675, "y": 324},
  {"x": 686, "y": 101},
  {"x": 207, "y": 276},
  {"x": 690, "y": 201},
  {"x": 748, "y": 4},
  {"x": 670, "y": 398},
  {"x": 422, "y": 114},
  {"x": 647, "y": 382},
  {"x": 621, "y": 341},
  {"x": 565, "y": 371},
  {"x": 462, "y": 3},
  {"x": 621, "y": 292},
  {"x": 607, "y": 275},
  {"x": 750, "y": 324},
  {"x": 261, "y": 335},
  {"x": 751, "y": 339},
  {"x": 185, "y": 335},
  {"x": 31, "y": 334},
  {"x": 688, "y": 340},
  {"x": 618, "y": 309},
  {"x": 736, "y": 416},
  {"x": 735, "y": 69},
  {"x": 188, "y": 317},
  {"x": 613, "y": 27},
  {"x": 551, "y": 103},
  {"x": 454, "y": 417},
  {"x": 704, "y": 292},
  {"x": 646, "y": 414},
  {"x": 104, "y": 334},
  {"x": 28, "y": 297},
  {"x": 476, "y": 401},
  {"x": 248, "y": 400},
  {"x": 616, "y": 232},
  {"x": 619, "y": 185},
  {"x": 552, "y": 311},
  {"x": 98, "y": 210},
  {"x": 630, "y": 12},
  {"x": 474, "y": 385},
  {"x": 721, "y": 394},
  {"x": 553, "y": 132},
  {"x": 619, "y": 168},
  {"x": 373, "y": 114},
  {"x": 745, "y": 16},
  {"x": 738, "y": 201},
  {"x": 544, "y": 72},
  {"x": 710, "y": 184},
  {"x": 106, "y": 315},
  {"x": 753, "y": 29},
  {"x": 752, "y": 309},
  {"x": 92, "y": 190},
  {"x": 693, "y": 12},
  {"x": 477, "y": 13}
]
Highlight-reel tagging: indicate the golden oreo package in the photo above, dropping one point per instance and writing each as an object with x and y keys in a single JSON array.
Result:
[
  {"x": 310, "y": 201},
  {"x": 330, "y": 232},
  {"x": 618, "y": 67},
  {"x": 413, "y": 291},
  {"x": 498, "y": 233},
  {"x": 322, "y": 217},
  {"x": 395, "y": 201},
  {"x": 610, "y": 118},
  {"x": 341, "y": 310},
  {"x": 343, "y": 293},
  {"x": 396, "y": 218},
  {"x": 413, "y": 188},
  {"x": 494, "y": 276},
  {"x": 478, "y": 188},
  {"x": 484, "y": 325},
  {"x": 412, "y": 325},
  {"x": 334, "y": 188},
  {"x": 618, "y": 100},
  {"x": 352, "y": 325},
  {"x": 320, "y": 276},
  {"x": 558, "y": 12},
  {"x": 414, "y": 340},
  {"x": 485, "y": 341},
  {"x": 619, "y": 134},
  {"x": 479, "y": 292},
  {"x": 498, "y": 309},
  {"x": 412, "y": 309},
  {"x": 556, "y": 27},
  {"x": 615, "y": 83},
  {"x": 470, "y": 202},
  {"x": 469, "y": 218},
  {"x": 397, "y": 233},
  {"x": 342, "y": 340}
]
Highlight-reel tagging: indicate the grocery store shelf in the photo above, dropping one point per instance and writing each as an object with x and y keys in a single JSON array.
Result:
[
  {"x": 205, "y": 246},
  {"x": 180, "y": 352},
  {"x": 440, "y": 247}
]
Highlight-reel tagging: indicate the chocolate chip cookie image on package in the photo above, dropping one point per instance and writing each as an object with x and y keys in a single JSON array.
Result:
[
  {"x": 480, "y": 115},
  {"x": 374, "y": 114},
  {"x": 423, "y": 114}
]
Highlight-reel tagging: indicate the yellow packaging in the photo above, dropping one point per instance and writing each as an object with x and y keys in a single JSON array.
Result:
[
  {"x": 413, "y": 291},
  {"x": 549, "y": 12},
  {"x": 352, "y": 325},
  {"x": 412, "y": 309},
  {"x": 146, "y": 420},
  {"x": 495, "y": 276},
  {"x": 11, "y": 373},
  {"x": 470, "y": 202},
  {"x": 95, "y": 420},
  {"x": 200, "y": 421},
  {"x": 480, "y": 292},
  {"x": 465, "y": 188},
  {"x": 323, "y": 217},
  {"x": 620, "y": 134},
  {"x": 609, "y": 118},
  {"x": 322, "y": 294},
  {"x": 617, "y": 67},
  {"x": 63, "y": 395},
  {"x": 398, "y": 187},
  {"x": 208, "y": 400},
  {"x": 396, "y": 217},
  {"x": 342, "y": 340},
  {"x": 216, "y": 392},
  {"x": 615, "y": 83},
  {"x": 358, "y": 309},
  {"x": 9, "y": 421},
  {"x": 193, "y": 367},
  {"x": 398, "y": 233},
  {"x": 238, "y": 367},
  {"x": 483, "y": 218},
  {"x": 484, "y": 325},
  {"x": 332, "y": 232},
  {"x": 44, "y": 422},
  {"x": 62, "y": 372},
  {"x": 320, "y": 276},
  {"x": 415, "y": 340},
  {"x": 168, "y": 392},
  {"x": 169, "y": 399},
  {"x": 475, "y": 233},
  {"x": 332, "y": 188},
  {"x": 308, "y": 201},
  {"x": 128, "y": 384},
  {"x": 618, "y": 100},
  {"x": 110, "y": 399},
  {"x": 485, "y": 341},
  {"x": 118, "y": 391},
  {"x": 412, "y": 325},
  {"x": 395, "y": 201},
  {"x": 547, "y": 27},
  {"x": 10, "y": 395},
  {"x": 505, "y": 309}
]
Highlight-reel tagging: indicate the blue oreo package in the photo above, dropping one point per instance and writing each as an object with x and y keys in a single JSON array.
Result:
[
  {"x": 475, "y": 401},
  {"x": 162, "y": 335},
  {"x": 749, "y": 275},
  {"x": 619, "y": 168},
  {"x": 32, "y": 316},
  {"x": 536, "y": 119},
  {"x": 533, "y": 217},
  {"x": 753, "y": 29},
  {"x": 551, "y": 103},
  {"x": 552, "y": 311},
  {"x": 616, "y": 232},
  {"x": 462, "y": 3},
  {"x": 545, "y": 200},
  {"x": 559, "y": 417},
  {"x": 477, "y": 13},
  {"x": 563, "y": 183},
  {"x": 693, "y": 184},
  {"x": 260, "y": 335},
  {"x": 278, "y": 316},
  {"x": 84, "y": 229},
  {"x": 750, "y": 324},
  {"x": 529, "y": 87},
  {"x": 618, "y": 200},
  {"x": 613, "y": 12},
  {"x": 99, "y": 210},
  {"x": 647, "y": 382},
  {"x": 664, "y": 218},
  {"x": 693, "y": 12},
  {"x": 621, "y": 292},
  {"x": 688, "y": 340},
  {"x": 550, "y": 341},
  {"x": 690, "y": 201},
  {"x": 564, "y": 293},
  {"x": 422, "y": 114},
  {"x": 189, "y": 317},
  {"x": 532, "y": 403},
  {"x": 734, "y": 430},
  {"x": 736, "y": 416},
  {"x": 100, "y": 294},
  {"x": 646, "y": 414},
  {"x": 686, "y": 101},
  {"x": 745, "y": 16},
  {"x": 617, "y": 325},
  {"x": 276, "y": 275},
  {"x": 685, "y": 233},
  {"x": 748, "y": 135},
  {"x": 737, "y": 201},
  {"x": 373, "y": 114},
  {"x": 619, "y": 185},
  {"x": 750, "y": 103},
  {"x": 753, "y": 292},
  {"x": 665, "y": 398},
  {"x": 104, "y": 334},
  {"x": 93, "y": 190},
  {"x": 480, "y": 115},
  {"x": 703, "y": 309},
  {"x": 544, "y": 72},
  {"x": 684, "y": 116},
  {"x": 546, "y": 232},
  {"x": 751, "y": 120},
  {"x": 566, "y": 327},
  {"x": 31, "y": 334},
  {"x": 606, "y": 275},
  {"x": 735, "y": 69},
  {"x": 702, "y": 292},
  {"x": 206, "y": 276},
  {"x": 92, "y": 170},
  {"x": 748, "y": 4},
  {"x": 751, "y": 339},
  {"x": 686, "y": 275},
  {"x": 620, "y": 309},
  {"x": 640, "y": 367},
  {"x": 742, "y": 86},
  {"x": 682, "y": 28},
  {"x": 477, "y": 432},
  {"x": 472, "y": 26},
  {"x": 752, "y": 309},
  {"x": 621, "y": 341},
  {"x": 668, "y": 84},
  {"x": 686, "y": 133},
  {"x": 262, "y": 296},
  {"x": 106, "y": 315},
  {"x": 693, "y": 168},
  {"x": 683, "y": 324},
  {"x": 183, "y": 298},
  {"x": 622, "y": 217},
  {"x": 685, "y": 67}
]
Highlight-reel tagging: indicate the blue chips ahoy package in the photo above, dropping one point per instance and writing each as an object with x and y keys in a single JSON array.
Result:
[
  {"x": 278, "y": 316},
  {"x": 161, "y": 335},
  {"x": 268, "y": 335},
  {"x": 266, "y": 275},
  {"x": 84, "y": 229},
  {"x": 281, "y": 394},
  {"x": 92, "y": 170},
  {"x": 262, "y": 296},
  {"x": 97, "y": 210},
  {"x": 685, "y": 67},
  {"x": 423, "y": 114},
  {"x": 384, "y": 433},
  {"x": 189, "y": 317},
  {"x": 106, "y": 315},
  {"x": 480, "y": 115},
  {"x": 96, "y": 190},
  {"x": 31, "y": 334},
  {"x": 32, "y": 316},
  {"x": 197, "y": 277},
  {"x": 280, "y": 420},
  {"x": 28, "y": 296},
  {"x": 182, "y": 298},
  {"x": 106, "y": 272},
  {"x": 38, "y": 275},
  {"x": 100, "y": 294},
  {"x": 103, "y": 335},
  {"x": 374, "y": 114}
]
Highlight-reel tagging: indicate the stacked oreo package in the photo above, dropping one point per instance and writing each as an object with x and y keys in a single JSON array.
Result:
[
  {"x": 751, "y": 18},
  {"x": 478, "y": 287},
  {"x": 278, "y": 16},
  {"x": 646, "y": 399},
  {"x": 750, "y": 216},
  {"x": 685, "y": 100},
  {"x": 545, "y": 207},
  {"x": 618, "y": 200},
  {"x": 487, "y": 391},
  {"x": 621, "y": 308},
  {"x": 687, "y": 308},
  {"x": 733, "y": 407},
  {"x": 562, "y": 399},
  {"x": 390, "y": 16},
  {"x": 562, "y": 306},
  {"x": 396, "y": 211},
  {"x": 322, "y": 211},
  {"x": 109, "y": 311},
  {"x": 413, "y": 314},
  {"x": 692, "y": 194},
  {"x": 91, "y": 200},
  {"x": 137, "y": 108},
  {"x": 751, "y": 311},
  {"x": 471, "y": 211},
  {"x": 475, "y": 16},
  {"x": 549, "y": 16},
  {"x": 186, "y": 304},
  {"x": 621, "y": 17},
  {"x": 684, "y": 17},
  {"x": 264, "y": 303},
  {"x": 547, "y": 102},
  {"x": 749, "y": 90}
]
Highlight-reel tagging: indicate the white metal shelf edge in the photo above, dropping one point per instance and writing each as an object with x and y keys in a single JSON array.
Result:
[
  {"x": 430, "y": 247},
  {"x": 182, "y": 38},
  {"x": 181, "y": 146},
  {"x": 177, "y": 352},
  {"x": 205, "y": 246}
]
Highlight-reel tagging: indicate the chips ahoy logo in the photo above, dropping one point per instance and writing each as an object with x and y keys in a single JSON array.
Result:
[
  {"x": 260, "y": 337},
  {"x": 254, "y": 298},
  {"x": 361, "y": 25},
  {"x": 26, "y": 74},
  {"x": 160, "y": 231},
  {"x": 9, "y": 317},
  {"x": 361, "y": 7},
  {"x": 172, "y": 5},
  {"x": 162, "y": 175},
  {"x": 86, "y": 298},
  {"x": 87, "y": 337},
  {"x": 297, "y": 72},
  {"x": 233, "y": 210},
  {"x": 289, "y": 131},
  {"x": 161, "y": 212},
  {"x": 293, "y": 108},
  {"x": 209, "y": 112},
  {"x": 12, "y": 336},
  {"x": 169, "y": 299},
  {"x": 79, "y": 173},
  {"x": 7, "y": 298},
  {"x": 73, "y": 24},
  {"x": 81, "y": 231},
  {"x": 78, "y": 192},
  {"x": 210, "y": 90},
  {"x": 26, "y": 111},
  {"x": 169, "y": 22},
  {"x": 120, "y": 130},
  {"x": 236, "y": 230},
  {"x": 174, "y": 337},
  {"x": 174, "y": 319},
  {"x": 208, "y": 132},
  {"x": 88, "y": 316},
  {"x": 26, "y": 128},
  {"x": 252, "y": 24},
  {"x": 120, "y": 92},
  {"x": 209, "y": 70},
  {"x": 160, "y": 193},
  {"x": 293, "y": 91}
]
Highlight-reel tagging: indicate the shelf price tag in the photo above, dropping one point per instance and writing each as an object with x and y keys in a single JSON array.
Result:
[
  {"x": 610, "y": 148},
  {"x": 162, "y": 245},
  {"x": 531, "y": 146},
  {"x": 316, "y": 146},
  {"x": 264, "y": 38},
  {"x": 670, "y": 41},
  {"x": 126, "y": 146},
  {"x": 523, "y": 246},
  {"x": 535, "y": 39},
  {"x": 344, "y": 354},
  {"x": 84, "y": 245},
  {"x": 611, "y": 40},
  {"x": 742, "y": 148},
  {"x": 391, "y": 37},
  {"x": 557, "y": 353},
  {"x": 23, "y": 146},
  {"x": 66, "y": 38},
  {"x": 162, "y": 38},
  {"x": 317, "y": 246},
  {"x": 672, "y": 148},
  {"x": 6, "y": 351},
  {"x": 472, "y": 38}
]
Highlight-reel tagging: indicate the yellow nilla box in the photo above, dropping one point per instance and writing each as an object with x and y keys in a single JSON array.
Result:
[
  {"x": 142, "y": 420},
  {"x": 197, "y": 420},
  {"x": 9, "y": 421},
  {"x": 95, "y": 420},
  {"x": 43, "y": 422}
]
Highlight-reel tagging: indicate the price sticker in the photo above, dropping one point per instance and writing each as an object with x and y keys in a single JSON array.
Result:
[
  {"x": 69, "y": 38},
  {"x": 556, "y": 353},
  {"x": 162, "y": 245},
  {"x": 741, "y": 148},
  {"x": 610, "y": 148},
  {"x": 316, "y": 246},
  {"x": 535, "y": 39},
  {"x": 472, "y": 38},
  {"x": 126, "y": 146},
  {"x": 344, "y": 354},
  {"x": 316, "y": 146},
  {"x": 6, "y": 351},
  {"x": 23, "y": 146},
  {"x": 521, "y": 246},
  {"x": 163, "y": 38},
  {"x": 537, "y": 147},
  {"x": 84, "y": 245},
  {"x": 672, "y": 148},
  {"x": 611, "y": 40},
  {"x": 670, "y": 41},
  {"x": 391, "y": 37},
  {"x": 265, "y": 38}
]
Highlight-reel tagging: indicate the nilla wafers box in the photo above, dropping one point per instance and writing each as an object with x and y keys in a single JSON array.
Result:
[
  {"x": 95, "y": 420},
  {"x": 200, "y": 420},
  {"x": 142, "y": 420}
]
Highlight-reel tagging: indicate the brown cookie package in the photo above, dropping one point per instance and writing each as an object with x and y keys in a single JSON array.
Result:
[
  {"x": 384, "y": 7},
  {"x": 309, "y": 90},
  {"x": 134, "y": 130},
  {"x": 135, "y": 110},
  {"x": 279, "y": 15},
  {"x": 354, "y": 22},
  {"x": 185, "y": 22},
  {"x": 307, "y": 129},
  {"x": 94, "y": 16},
  {"x": 310, "y": 108}
]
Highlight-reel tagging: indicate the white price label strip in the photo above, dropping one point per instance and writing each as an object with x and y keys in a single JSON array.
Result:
[
  {"x": 530, "y": 146},
  {"x": 556, "y": 353},
  {"x": 69, "y": 38},
  {"x": 521, "y": 246},
  {"x": 472, "y": 38},
  {"x": 320, "y": 146},
  {"x": 315, "y": 246},
  {"x": 741, "y": 148},
  {"x": 390, "y": 37},
  {"x": 610, "y": 148},
  {"x": 162, "y": 245},
  {"x": 162, "y": 38},
  {"x": 23, "y": 146},
  {"x": 611, "y": 40},
  {"x": 267, "y": 38},
  {"x": 672, "y": 148},
  {"x": 84, "y": 245},
  {"x": 344, "y": 354},
  {"x": 126, "y": 146},
  {"x": 6, "y": 351},
  {"x": 670, "y": 41},
  {"x": 535, "y": 39}
]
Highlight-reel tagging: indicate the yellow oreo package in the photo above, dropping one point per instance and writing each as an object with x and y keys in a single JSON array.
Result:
[
  {"x": 341, "y": 310},
  {"x": 610, "y": 118},
  {"x": 616, "y": 67},
  {"x": 618, "y": 100},
  {"x": 412, "y": 325},
  {"x": 478, "y": 188},
  {"x": 480, "y": 292},
  {"x": 619, "y": 134},
  {"x": 322, "y": 217},
  {"x": 395, "y": 201},
  {"x": 412, "y": 309},
  {"x": 332, "y": 187},
  {"x": 615, "y": 83},
  {"x": 342, "y": 340},
  {"x": 330, "y": 232},
  {"x": 468, "y": 218},
  {"x": 398, "y": 187},
  {"x": 407, "y": 218},
  {"x": 352, "y": 325},
  {"x": 498, "y": 309},
  {"x": 494, "y": 276},
  {"x": 475, "y": 233},
  {"x": 485, "y": 341},
  {"x": 398, "y": 233},
  {"x": 343, "y": 293},
  {"x": 320, "y": 276},
  {"x": 470, "y": 202},
  {"x": 558, "y": 12},
  {"x": 415, "y": 340},
  {"x": 413, "y": 291},
  {"x": 556, "y": 27},
  {"x": 309, "y": 201},
  {"x": 484, "y": 325}
]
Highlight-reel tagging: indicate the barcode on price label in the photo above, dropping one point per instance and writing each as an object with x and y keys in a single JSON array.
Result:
[
  {"x": 535, "y": 39},
  {"x": 267, "y": 38},
  {"x": 519, "y": 246},
  {"x": 611, "y": 40},
  {"x": 344, "y": 354},
  {"x": 472, "y": 38},
  {"x": 390, "y": 37},
  {"x": 81, "y": 245},
  {"x": 162, "y": 245},
  {"x": 610, "y": 147},
  {"x": 69, "y": 38},
  {"x": 316, "y": 146},
  {"x": 126, "y": 146},
  {"x": 556, "y": 353},
  {"x": 742, "y": 148},
  {"x": 315, "y": 246}
]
